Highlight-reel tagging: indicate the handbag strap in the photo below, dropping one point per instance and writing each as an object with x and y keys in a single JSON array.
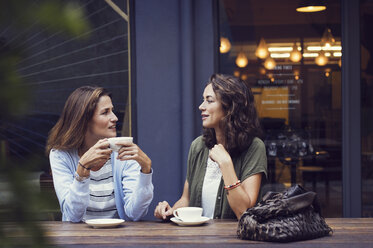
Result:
[{"x": 298, "y": 202}]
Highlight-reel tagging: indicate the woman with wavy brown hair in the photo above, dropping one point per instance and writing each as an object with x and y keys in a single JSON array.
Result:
[
  {"x": 91, "y": 180},
  {"x": 227, "y": 163}
]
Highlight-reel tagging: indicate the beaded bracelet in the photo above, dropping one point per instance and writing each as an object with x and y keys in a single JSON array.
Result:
[
  {"x": 83, "y": 166},
  {"x": 232, "y": 186}
]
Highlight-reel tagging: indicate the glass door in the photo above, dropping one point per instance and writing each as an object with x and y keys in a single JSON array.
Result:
[{"x": 291, "y": 59}]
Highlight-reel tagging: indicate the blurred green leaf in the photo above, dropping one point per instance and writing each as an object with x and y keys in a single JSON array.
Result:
[
  {"x": 20, "y": 202},
  {"x": 13, "y": 95},
  {"x": 59, "y": 16}
]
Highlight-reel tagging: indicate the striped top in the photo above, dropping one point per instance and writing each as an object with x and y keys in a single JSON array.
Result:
[{"x": 101, "y": 197}]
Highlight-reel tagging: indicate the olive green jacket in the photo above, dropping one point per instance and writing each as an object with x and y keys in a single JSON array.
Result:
[{"x": 248, "y": 163}]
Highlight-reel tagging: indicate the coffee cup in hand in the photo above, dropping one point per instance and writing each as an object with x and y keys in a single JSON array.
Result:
[
  {"x": 117, "y": 142},
  {"x": 188, "y": 214}
]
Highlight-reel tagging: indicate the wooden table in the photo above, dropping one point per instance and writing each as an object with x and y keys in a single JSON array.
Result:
[{"x": 348, "y": 232}]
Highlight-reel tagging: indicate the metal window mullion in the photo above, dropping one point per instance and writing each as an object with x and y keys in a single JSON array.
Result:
[{"x": 351, "y": 134}]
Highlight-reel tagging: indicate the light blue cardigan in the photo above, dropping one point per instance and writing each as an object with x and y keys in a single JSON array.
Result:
[{"x": 133, "y": 190}]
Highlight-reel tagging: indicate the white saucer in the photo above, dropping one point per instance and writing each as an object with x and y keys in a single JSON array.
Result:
[
  {"x": 190, "y": 223},
  {"x": 100, "y": 223}
]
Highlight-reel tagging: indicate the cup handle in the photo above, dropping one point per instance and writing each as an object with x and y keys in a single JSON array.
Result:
[{"x": 175, "y": 214}]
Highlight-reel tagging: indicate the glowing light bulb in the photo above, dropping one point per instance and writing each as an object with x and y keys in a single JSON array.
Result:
[
  {"x": 241, "y": 60},
  {"x": 321, "y": 60},
  {"x": 262, "y": 50},
  {"x": 269, "y": 63},
  {"x": 225, "y": 45},
  {"x": 295, "y": 55},
  {"x": 327, "y": 39}
]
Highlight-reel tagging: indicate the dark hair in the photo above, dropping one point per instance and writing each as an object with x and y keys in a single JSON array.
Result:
[
  {"x": 240, "y": 124},
  {"x": 70, "y": 129}
]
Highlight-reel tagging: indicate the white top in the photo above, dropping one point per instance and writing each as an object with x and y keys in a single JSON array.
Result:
[
  {"x": 210, "y": 188},
  {"x": 133, "y": 189},
  {"x": 101, "y": 203}
]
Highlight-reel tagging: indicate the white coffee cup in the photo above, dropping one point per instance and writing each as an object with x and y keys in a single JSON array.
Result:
[
  {"x": 188, "y": 214},
  {"x": 113, "y": 142}
]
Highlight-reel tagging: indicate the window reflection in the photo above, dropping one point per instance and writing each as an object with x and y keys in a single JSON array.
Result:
[{"x": 292, "y": 62}]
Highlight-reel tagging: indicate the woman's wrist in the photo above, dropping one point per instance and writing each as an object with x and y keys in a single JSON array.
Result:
[
  {"x": 146, "y": 170},
  {"x": 84, "y": 166},
  {"x": 83, "y": 170},
  {"x": 226, "y": 163},
  {"x": 146, "y": 166}
]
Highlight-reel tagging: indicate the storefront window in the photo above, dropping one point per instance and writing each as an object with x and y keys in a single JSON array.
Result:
[
  {"x": 53, "y": 64},
  {"x": 47, "y": 50},
  {"x": 292, "y": 62},
  {"x": 366, "y": 19}
]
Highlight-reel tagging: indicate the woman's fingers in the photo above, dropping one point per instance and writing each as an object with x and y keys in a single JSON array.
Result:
[
  {"x": 126, "y": 143},
  {"x": 134, "y": 152},
  {"x": 133, "y": 148},
  {"x": 157, "y": 211},
  {"x": 161, "y": 211},
  {"x": 103, "y": 144},
  {"x": 126, "y": 153}
]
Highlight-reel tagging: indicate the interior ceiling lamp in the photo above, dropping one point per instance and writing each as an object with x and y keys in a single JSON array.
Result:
[
  {"x": 321, "y": 60},
  {"x": 318, "y": 48},
  {"x": 241, "y": 60},
  {"x": 311, "y": 6},
  {"x": 295, "y": 55},
  {"x": 225, "y": 45},
  {"x": 269, "y": 63},
  {"x": 327, "y": 39},
  {"x": 262, "y": 50},
  {"x": 327, "y": 72},
  {"x": 262, "y": 71}
]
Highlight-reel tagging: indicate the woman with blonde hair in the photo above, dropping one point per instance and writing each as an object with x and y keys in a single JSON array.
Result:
[
  {"x": 227, "y": 164},
  {"x": 90, "y": 180}
]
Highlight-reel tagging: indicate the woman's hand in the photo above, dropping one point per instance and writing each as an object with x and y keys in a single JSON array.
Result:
[
  {"x": 131, "y": 151},
  {"x": 220, "y": 155},
  {"x": 163, "y": 210},
  {"x": 96, "y": 156}
]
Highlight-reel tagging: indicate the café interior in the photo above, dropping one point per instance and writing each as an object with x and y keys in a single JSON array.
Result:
[{"x": 290, "y": 54}]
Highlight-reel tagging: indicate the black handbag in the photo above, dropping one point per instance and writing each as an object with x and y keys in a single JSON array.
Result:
[{"x": 291, "y": 215}]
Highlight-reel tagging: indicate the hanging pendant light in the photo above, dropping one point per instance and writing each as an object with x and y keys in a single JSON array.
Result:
[
  {"x": 269, "y": 63},
  {"x": 311, "y": 6},
  {"x": 296, "y": 73},
  {"x": 321, "y": 60},
  {"x": 327, "y": 72},
  {"x": 262, "y": 49},
  {"x": 241, "y": 60},
  {"x": 327, "y": 39},
  {"x": 295, "y": 55},
  {"x": 225, "y": 45}
]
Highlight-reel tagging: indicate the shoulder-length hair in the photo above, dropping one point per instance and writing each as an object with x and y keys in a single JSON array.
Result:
[
  {"x": 70, "y": 129},
  {"x": 240, "y": 124}
]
